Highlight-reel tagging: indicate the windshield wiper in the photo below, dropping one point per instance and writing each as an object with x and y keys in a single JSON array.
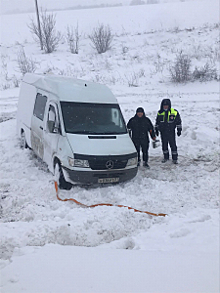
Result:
[
  {"x": 96, "y": 133},
  {"x": 90, "y": 132},
  {"x": 115, "y": 132},
  {"x": 82, "y": 132}
]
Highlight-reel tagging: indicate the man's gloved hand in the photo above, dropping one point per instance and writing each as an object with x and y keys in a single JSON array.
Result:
[
  {"x": 179, "y": 132},
  {"x": 157, "y": 132}
]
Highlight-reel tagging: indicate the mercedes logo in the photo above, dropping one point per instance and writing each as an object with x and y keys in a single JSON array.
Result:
[{"x": 109, "y": 164}]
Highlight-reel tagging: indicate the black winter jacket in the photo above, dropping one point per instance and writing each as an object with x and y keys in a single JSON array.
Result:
[
  {"x": 139, "y": 127},
  {"x": 167, "y": 121}
]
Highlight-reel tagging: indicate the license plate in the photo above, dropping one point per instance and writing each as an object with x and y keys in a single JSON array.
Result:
[{"x": 108, "y": 180}]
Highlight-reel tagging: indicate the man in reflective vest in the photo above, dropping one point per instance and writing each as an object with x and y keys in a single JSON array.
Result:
[{"x": 168, "y": 119}]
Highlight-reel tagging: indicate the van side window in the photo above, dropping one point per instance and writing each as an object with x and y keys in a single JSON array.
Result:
[{"x": 39, "y": 106}]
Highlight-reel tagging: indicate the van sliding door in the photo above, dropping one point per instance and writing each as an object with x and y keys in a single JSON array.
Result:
[{"x": 37, "y": 123}]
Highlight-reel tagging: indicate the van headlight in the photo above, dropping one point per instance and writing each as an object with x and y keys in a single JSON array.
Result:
[
  {"x": 132, "y": 162},
  {"x": 78, "y": 163}
]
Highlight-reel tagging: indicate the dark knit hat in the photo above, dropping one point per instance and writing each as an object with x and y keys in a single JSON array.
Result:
[
  {"x": 140, "y": 109},
  {"x": 166, "y": 102}
]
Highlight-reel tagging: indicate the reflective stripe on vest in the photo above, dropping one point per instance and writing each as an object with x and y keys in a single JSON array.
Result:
[{"x": 171, "y": 112}]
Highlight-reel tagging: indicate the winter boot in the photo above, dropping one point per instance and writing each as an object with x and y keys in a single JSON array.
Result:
[
  {"x": 175, "y": 162},
  {"x": 164, "y": 160},
  {"x": 146, "y": 165}
]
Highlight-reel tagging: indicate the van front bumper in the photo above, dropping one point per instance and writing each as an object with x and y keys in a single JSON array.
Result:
[{"x": 91, "y": 177}]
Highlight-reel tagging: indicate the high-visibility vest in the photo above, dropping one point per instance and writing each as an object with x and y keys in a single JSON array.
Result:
[{"x": 171, "y": 112}]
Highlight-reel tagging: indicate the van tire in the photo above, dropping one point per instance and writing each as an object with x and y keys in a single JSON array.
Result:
[
  {"x": 23, "y": 143},
  {"x": 62, "y": 183}
]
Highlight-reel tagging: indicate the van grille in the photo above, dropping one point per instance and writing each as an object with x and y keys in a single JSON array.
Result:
[
  {"x": 107, "y": 164},
  {"x": 111, "y": 162}
]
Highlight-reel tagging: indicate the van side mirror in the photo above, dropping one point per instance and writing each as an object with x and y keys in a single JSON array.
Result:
[{"x": 50, "y": 125}]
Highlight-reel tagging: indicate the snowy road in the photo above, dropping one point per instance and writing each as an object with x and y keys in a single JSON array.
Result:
[
  {"x": 188, "y": 193},
  {"x": 188, "y": 238}
]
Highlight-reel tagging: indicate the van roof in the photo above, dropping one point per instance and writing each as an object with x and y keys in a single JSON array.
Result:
[{"x": 70, "y": 89}]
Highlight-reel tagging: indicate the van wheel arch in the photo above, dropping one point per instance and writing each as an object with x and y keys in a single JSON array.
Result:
[
  {"x": 55, "y": 161},
  {"x": 23, "y": 142},
  {"x": 58, "y": 174}
]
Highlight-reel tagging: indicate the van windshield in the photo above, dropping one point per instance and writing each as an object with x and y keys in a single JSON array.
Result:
[{"x": 90, "y": 118}]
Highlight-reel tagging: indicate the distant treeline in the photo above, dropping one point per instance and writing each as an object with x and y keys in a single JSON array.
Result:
[{"x": 78, "y": 7}]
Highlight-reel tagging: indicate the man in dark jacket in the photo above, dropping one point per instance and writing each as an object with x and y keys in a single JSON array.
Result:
[
  {"x": 138, "y": 127},
  {"x": 168, "y": 119}
]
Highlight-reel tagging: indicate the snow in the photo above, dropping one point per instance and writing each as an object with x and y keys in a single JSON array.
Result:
[
  {"x": 120, "y": 15},
  {"x": 52, "y": 246},
  {"x": 108, "y": 270},
  {"x": 21, "y": 6},
  {"x": 123, "y": 20}
]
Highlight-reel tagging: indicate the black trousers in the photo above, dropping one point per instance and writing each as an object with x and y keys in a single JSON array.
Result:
[
  {"x": 141, "y": 144},
  {"x": 169, "y": 138}
]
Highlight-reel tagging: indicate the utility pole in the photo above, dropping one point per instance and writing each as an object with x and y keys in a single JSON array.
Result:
[{"x": 39, "y": 28}]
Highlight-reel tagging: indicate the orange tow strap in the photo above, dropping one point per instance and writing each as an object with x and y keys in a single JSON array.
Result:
[{"x": 102, "y": 204}]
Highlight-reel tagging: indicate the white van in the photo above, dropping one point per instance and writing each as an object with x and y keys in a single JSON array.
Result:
[{"x": 77, "y": 128}]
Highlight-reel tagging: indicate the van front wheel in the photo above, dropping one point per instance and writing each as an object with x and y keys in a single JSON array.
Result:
[{"x": 59, "y": 177}]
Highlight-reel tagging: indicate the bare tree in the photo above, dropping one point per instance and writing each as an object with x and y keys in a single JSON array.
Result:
[
  {"x": 4, "y": 66},
  {"x": 180, "y": 70},
  {"x": 205, "y": 73},
  {"x": 132, "y": 79},
  {"x": 73, "y": 37},
  {"x": 101, "y": 38},
  {"x": 50, "y": 37},
  {"x": 25, "y": 64}
]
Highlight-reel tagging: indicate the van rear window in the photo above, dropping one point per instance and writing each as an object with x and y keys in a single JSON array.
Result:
[{"x": 39, "y": 106}]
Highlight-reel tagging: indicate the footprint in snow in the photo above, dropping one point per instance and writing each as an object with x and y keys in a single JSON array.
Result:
[
  {"x": 201, "y": 219},
  {"x": 181, "y": 233}
]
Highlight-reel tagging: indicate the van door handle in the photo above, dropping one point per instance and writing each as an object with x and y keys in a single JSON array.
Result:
[{"x": 41, "y": 127}]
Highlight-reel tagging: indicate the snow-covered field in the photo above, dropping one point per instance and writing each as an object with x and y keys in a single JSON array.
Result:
[
  {"x": 21, "y": 6},
  {"x": 122, "y": 251}
]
